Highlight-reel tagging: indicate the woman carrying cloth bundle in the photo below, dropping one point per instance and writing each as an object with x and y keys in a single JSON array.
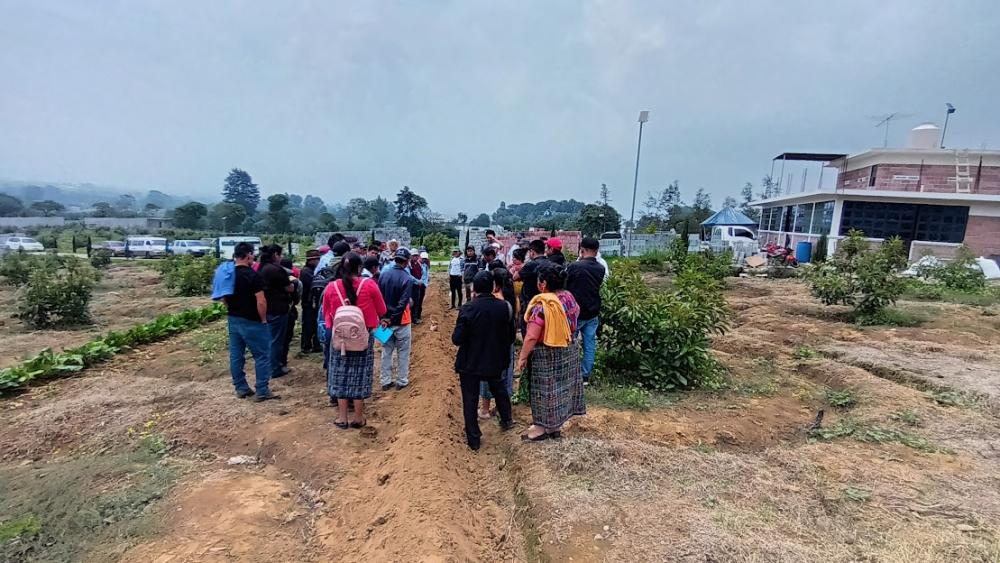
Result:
[{"x": 555, "y": 377}]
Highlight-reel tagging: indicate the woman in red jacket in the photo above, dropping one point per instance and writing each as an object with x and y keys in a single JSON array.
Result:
[{"x": 350, "y": 374}]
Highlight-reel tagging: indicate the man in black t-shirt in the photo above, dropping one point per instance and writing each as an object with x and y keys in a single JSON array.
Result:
[
  {"x": 584, "y": 279},
  {"x": 248, "y": 327},
  {"x": 278, "y": 290},
  {"x": 529, "y": 275}
]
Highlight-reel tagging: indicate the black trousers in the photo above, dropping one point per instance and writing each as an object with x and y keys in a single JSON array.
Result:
[
  {"x": 309, "y": 341},
  {"x": 418, "y": 300},
  {"x": 470, "y": 403},
  {"x": 293, "y": 315},
  {"x": 455, "y": 285}
]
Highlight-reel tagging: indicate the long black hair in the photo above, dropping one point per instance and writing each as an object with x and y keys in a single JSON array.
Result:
[
  {"x": 503, "y": 281},
  {"x": 553, "y": 275},
  {"x": 267, "y": 253},
  {"x": 350, "y": 267}
]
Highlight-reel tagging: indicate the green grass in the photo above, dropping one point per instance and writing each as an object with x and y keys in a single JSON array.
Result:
[
  {"x": 907, "y": 417},
  {"x": 26, "y": 525},
  {"x": 871, "y": 434},
  {"x": 893, "y": 316},
  {"x": 842, "y": 399},
  {"x": 804, "y": 353},
  {"x": 627, "y": 398},
  {"x": 921, "y": 291},
  {"x": 951, "y": 398}
]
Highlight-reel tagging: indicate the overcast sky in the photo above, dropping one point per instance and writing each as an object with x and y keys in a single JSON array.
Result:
[{"x": 471, "y": 102}]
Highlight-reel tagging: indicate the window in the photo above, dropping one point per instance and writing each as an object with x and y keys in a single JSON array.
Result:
[
  {"x": 872, "y": 174},
  {"x": 933, "y": 223},
  {"x": 802, "y": 217},
  {"x": 822, "y": 218}
]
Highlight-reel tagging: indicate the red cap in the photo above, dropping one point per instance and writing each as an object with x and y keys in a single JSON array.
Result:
[{"x": 554, "y": 243}]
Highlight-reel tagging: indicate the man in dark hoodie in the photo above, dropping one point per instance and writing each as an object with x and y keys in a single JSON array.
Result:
[
  {"x": 483, "y": 333},
  {"x": 553, "y": 249}
]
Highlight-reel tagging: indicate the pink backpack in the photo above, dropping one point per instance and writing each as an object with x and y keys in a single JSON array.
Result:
[{"x": 349, "y": 331}]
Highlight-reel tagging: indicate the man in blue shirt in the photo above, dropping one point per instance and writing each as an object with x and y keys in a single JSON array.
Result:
[{"x": 396, "y": 285}]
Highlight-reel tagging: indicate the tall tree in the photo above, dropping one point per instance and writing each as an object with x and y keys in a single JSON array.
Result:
[
  {"x": 702, "y": 208},
  {"x": 605, "y": 195},
  {"x": 10, "y": 206},
  {"x": 381, "y": 211},
  {"x": 483, "y": 220},
  {"x": 295, "y": 201},
  {"x": 151, "y": 209},
  {"x": 730, "y": 202},
  {"x": 462, "y": 218},
  {"x": 125, "y": 204},
  {"x": 312, "y": 206},
  {"x": 665, "y": 204},
  {"x": 239, "y": 188},
  {"x": 746, "y": 195},
  {"x": 190, "y": 215},
  {"x": 768, "y": 188},
  {"x": 227, "y": 217},
  {"x": 278, "y": 216},
  {"x": 596, "y": 219},
  {"x": 102, "y": 209},
  {"x": 409, "y": 206},
  {"x": 48, "y": 207}
]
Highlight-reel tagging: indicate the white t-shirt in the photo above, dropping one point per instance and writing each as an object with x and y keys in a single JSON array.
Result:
[{"x": 455, "y": 266}]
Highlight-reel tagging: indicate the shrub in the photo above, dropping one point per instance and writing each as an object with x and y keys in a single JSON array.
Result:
[
  {"x": 100, "y": 258},
  {"x": 188, "y": 275},
  {"x": 660, "y": 340},
  {"x": 860, "y": 276},
  {"x": 15, "y": 268},
  {"x": 716, "y": 265},
  {"x": 962, "y": 273},
  {"x": 819, "y": 253},
  {"x": 653, "y": 259},
  {"x": 59, "y": 296},
  {"x": 677, "y": 251}
]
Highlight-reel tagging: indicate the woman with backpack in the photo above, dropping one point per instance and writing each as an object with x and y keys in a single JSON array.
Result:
[{"x": 352, "y": 307}]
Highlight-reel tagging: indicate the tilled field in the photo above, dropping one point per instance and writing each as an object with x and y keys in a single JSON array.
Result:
[{"x": 131, "y": 461}]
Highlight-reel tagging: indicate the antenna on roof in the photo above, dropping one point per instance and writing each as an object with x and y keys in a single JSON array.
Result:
[{"x": 884, "y": 120}]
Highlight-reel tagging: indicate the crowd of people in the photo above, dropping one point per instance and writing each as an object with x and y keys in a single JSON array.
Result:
[{"x": 353, "y": 295}]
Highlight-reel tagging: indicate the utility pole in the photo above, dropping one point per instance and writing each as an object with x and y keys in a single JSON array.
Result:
[
  {"x": 643, "y": 118},
  {"x": 951, "y": 110}
]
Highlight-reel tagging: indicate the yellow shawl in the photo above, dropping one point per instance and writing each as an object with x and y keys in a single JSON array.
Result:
[{"x": 556, "y": 334}]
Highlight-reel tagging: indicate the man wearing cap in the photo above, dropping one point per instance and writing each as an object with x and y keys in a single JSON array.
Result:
[
  {"x": 553, "y": 249},
  {"x": 396, "y": 285},
  {"x": 529, "y": 274},
  {"x": 310, "y": 342},
  {"x": 455, "y": 269},
  {"x": 583, "y": 279}
]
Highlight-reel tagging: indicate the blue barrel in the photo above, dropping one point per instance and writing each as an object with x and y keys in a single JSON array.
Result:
[{"x": 803, "y": 252}]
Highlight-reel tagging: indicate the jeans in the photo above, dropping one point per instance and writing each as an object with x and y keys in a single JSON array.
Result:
[
  {"x": 589, "y": 330},
  {"x": 277, "y": 325},
  {"x": 507, "y": 380},
  {"x": 243, "y": 334},
  {"x": 399, "y": 341},
  {"x": 455, "y": 285},
  {"x": 468, "y": 291},
  {"x": 470, "y": 401}
]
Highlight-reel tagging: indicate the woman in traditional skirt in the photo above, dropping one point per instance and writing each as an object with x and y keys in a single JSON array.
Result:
[
  {"x": 555, "y": 378},
  {"x": 349, "y": 375}
]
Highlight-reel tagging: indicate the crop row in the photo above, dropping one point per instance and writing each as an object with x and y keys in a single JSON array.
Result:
[{"x": 49, "y": 364}]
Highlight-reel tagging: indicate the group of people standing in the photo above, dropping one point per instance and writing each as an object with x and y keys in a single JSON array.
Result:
[
  {"x": 555, "y": 308},
  {"x": 352, "y": 295}
]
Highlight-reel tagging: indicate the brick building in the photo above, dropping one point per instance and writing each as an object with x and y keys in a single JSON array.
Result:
[{"x": 934, "y": 199}]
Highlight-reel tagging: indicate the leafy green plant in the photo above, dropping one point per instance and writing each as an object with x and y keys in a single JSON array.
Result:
[
  {"x": 872, "y": 434},
  {"x": 804, "y": 353},
  {"x": 907, "y": 417},
  {"x": 48, "y": 364},
  {"x": 660, "y": 339},
  {"x": 860, "y": 276},
  {"x": 189, "y": 275},
  {"x": 962, "y": 273},
  {"x": 653, "y": 259},
  {"x": 21, "y": 527},
  {"x": 100, "y": 258},
  {"x": 57, "y": 297},
  {"x": 843, "y": 399},
  {"x": 633, "y": 398},
  {"x": 822, "y": 247}
]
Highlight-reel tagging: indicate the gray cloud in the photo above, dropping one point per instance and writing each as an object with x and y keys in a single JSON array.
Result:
[{"x": 473, "y": 102}]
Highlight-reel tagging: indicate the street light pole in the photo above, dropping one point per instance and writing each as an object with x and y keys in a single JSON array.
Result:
[
  {"x": 951, "y": 110},
  {"x": 643, "y": 118}
]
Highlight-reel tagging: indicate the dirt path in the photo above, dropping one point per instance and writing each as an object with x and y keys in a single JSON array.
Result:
[{"x": 404, "y": 489}]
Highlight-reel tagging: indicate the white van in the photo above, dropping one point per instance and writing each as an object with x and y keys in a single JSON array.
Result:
[
  {"x": 733, "y": 234},
  {"x": 146, "y": 247},
  {"x": 226, "y": 245}
]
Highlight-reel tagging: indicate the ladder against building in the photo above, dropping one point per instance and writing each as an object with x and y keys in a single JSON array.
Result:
[{"x": 963, "y": 173}]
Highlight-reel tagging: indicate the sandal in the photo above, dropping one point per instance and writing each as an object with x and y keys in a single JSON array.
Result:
[
  {"x": 539, "y": 438},
  {"x": 361, "y": 424},
  {"x": 341, "y": 425}
]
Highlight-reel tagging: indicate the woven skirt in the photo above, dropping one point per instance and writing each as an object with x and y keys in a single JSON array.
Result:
[
  {"x": 350, "y": 375},
  {"x": 556, "y": 385}
]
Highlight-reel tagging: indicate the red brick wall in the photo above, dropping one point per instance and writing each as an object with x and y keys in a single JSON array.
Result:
[
  {"x": 982, "y": 234},
  {"x": 934, "y": 178}
]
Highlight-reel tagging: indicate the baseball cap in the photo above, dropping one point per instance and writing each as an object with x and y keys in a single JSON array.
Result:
[
  {"x": 554, "y": 243},
  {"x": 402, "y": 253},
  {"x": 424, "y": 254}
]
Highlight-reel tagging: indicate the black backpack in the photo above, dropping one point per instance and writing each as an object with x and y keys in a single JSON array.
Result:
[{"x": 320, "y": 280}]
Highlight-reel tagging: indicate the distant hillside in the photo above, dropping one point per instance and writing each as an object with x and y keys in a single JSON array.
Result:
[{"x": 86, "y": 195}]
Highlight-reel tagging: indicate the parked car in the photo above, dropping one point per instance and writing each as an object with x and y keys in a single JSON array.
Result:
[
  {"x": 227, "y": 244},
  {"x": 146, "y": 247},
  {"x": 27, "y": 244},
  {"x": 116, "y": 247},
  {"x": 733, "y": 233},
  {"x": 192, "y": 247}
]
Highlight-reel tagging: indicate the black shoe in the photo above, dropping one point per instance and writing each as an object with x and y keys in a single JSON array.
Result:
[
  {"x": 401, "y": 387},
  {"x": 269, "y": 396},
  {"x": 388, "y": 386},
  {"x": 244, "y": 394},
  {"x": 474, "y": 446},
  {"x": 277, "y": 375},
  {"x": 505, "y": 426}
]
